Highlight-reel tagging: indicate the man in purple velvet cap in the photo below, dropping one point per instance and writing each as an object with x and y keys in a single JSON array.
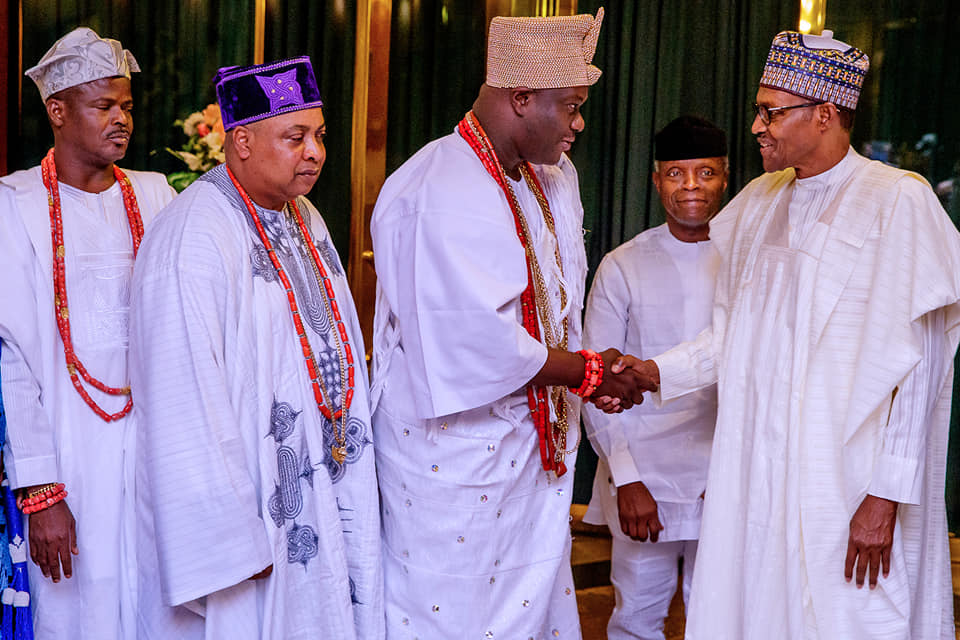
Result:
[{"x": 257, "y": 496}]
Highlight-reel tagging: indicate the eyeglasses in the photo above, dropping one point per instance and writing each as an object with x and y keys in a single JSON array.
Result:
[{"x": 766, "y": 113}]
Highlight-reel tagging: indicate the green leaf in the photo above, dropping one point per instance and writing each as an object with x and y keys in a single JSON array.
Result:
[{"x": 180, "y": 180}]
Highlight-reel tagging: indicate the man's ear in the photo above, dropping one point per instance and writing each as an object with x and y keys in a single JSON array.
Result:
[
  {"x": 56, "y": 111},
  {"x": 655, "y": 176},
  {"x": 827, "y": 114},
  {"x": 520, "y": 100},
  {"x": 242, "y": 141}
]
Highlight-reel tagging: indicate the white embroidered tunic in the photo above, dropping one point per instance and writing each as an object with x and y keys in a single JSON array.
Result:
[
  {"x": 649, "y": 294},
  {"x": 475, "y": 533},
  {"x": 52, "y": 435},
  {"x": 814, "y": 328},
  {"x": 235, "y": 471}
]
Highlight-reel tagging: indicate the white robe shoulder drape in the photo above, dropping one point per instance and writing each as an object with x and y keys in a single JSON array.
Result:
[
  {"x": 476, "y": 535},
  {"x": 52, "y": 435},
  {"x": 808, "y": 345},
  {"x": 235, "y": 471}
]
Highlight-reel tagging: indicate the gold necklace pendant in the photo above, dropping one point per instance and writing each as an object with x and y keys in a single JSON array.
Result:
[{"x": 339, "y": 453}]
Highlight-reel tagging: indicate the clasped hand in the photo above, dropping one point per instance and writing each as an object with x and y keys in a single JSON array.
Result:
[{"x": 625, "y": 379}]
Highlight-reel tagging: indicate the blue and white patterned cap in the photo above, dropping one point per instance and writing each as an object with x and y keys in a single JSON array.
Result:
[{"x": 816, "y": 67}]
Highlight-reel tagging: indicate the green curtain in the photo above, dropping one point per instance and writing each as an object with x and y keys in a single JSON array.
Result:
[
  {"x": 437, "y": 50},
  {"x": 661, "y": 60},
  {"x": 179, "y": 46},
  {"x": 326, "y": 31}
]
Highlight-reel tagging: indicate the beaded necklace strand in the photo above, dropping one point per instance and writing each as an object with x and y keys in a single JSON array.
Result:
[
  {"x": 62, "y": 311},
  {"x": 345, "y": 355},
  {"x": 534, "y": 301}
]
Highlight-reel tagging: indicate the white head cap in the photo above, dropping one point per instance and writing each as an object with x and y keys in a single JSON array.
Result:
[{"x": 78, "y": 57}]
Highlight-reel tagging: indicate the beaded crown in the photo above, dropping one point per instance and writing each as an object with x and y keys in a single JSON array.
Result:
[
  {"x": 816, "y": 67},
  {"x": 543, "y": 53},
  {"x": 260, "y": 91}
]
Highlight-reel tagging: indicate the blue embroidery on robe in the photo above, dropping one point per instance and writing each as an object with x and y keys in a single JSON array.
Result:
[
  {"x": 353, "y": 592},
  {"x": 261, "y": 265},
  {"x": 302, "y": 544},
  {"x": 344, "y": 516},
  {"x": 330, "y": 256},
  {"x": 286, "y": 503},
  {"x": 307, "y": 470},
  {"x": 283, "y": 420},
  {"x": 355, "y": 440}
]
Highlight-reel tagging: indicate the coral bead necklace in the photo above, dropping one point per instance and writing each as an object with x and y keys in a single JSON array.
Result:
[
  {"x": 74, "y": 367},
  {"x": 534, "y": 301},
  {"x": 344, "y": 353}
]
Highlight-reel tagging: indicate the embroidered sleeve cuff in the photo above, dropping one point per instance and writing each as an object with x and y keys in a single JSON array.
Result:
[
  {"x": 622, "y": 467},
  {"x": 896, "y": 478},
  {"x": 27, "y": 472}
]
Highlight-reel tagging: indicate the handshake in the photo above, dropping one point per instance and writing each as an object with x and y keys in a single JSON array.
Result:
[{"x": 625, "y": 378}]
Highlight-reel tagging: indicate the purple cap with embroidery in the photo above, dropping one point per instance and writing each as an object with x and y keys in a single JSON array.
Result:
[{"x": 249, "y": 94}]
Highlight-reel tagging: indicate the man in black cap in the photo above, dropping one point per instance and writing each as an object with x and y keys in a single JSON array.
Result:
[{"x": 650, "y": 293}]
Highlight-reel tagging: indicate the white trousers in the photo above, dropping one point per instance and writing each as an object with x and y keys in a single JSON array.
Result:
[{"x": 644, "y": 575}]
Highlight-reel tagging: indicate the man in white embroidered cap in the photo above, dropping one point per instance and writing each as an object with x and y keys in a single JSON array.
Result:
[
  {"x": 478, "y": 243},
  {"x": 69, "y": 232},
  {"x": 834, "y": 328},
  {"x": 257, "y": 492}
]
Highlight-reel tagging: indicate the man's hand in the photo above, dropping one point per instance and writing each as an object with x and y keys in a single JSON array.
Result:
[
  {"x": 638, "y": 512},
  {"x": 871, "y": 538},
  {"x": 647, "y": 370},
  {"x": 623, "y": 382},
  {"x": 647, "y": 376},
  {"x": 53, "y": 538}
]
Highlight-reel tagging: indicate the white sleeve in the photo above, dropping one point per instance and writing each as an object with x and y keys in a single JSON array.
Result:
[
  {"x": 31, "y": 454},
  {"x": 30, "y": 439},
  {"x": 453, "y": 281},
  {"x": 899, "y": 468},
  {"x": 605, "y": 327},
  {"x": 205, "y": 504},
  {"x": 687, "y": 367}
]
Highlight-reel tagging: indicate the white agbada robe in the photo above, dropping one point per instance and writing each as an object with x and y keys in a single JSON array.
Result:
[
  {"x": 52, "y": 435},
  {"x": 476, "y": 539},
  {"x": 235, "y": 470},
  {"x": 833, "y": 293},
  {"x": 649, "y": 294}
]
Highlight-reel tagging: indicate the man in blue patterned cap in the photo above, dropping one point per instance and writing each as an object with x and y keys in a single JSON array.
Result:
[
  {"x": 834, "y": 327},
  {"x": 256, "y": 486}
]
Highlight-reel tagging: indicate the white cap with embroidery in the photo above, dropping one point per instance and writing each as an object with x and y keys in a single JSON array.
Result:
[{"x": 81, "y": 56}]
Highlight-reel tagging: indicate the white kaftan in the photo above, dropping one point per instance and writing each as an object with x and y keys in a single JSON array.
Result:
[
  {"x": 235, "y": 471},
  {"x": 476, "y": 533},
  {"x": 52, "y": 435},
  {"x": 822, "y": 311},
  {"x": 649, "y": 294}
]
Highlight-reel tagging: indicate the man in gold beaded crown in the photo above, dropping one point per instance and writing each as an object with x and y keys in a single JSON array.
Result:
[
  {"x": 69, "y": 232},
  {"x": 478, "y": 243},
  {"x": 256, "y": 482}
]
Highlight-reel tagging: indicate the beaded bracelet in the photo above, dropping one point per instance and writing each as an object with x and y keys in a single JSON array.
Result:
[
  {"x": 44, "y": 489},
  {"x": 46, "y": 503},
  {"x": 41, "y": 494},
  {"x": 592, "y": 373}
]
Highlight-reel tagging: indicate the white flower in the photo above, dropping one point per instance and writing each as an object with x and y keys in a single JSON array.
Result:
[
  {"x": 190, "y": 124},
  {"x": 213, "y": 140},
  {"x": 193, "y": 162}
]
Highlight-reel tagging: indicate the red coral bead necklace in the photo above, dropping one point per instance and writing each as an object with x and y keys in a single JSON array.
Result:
[
  {"x": 322, "y": 396},
  {"x": 62, "y": 311}
]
